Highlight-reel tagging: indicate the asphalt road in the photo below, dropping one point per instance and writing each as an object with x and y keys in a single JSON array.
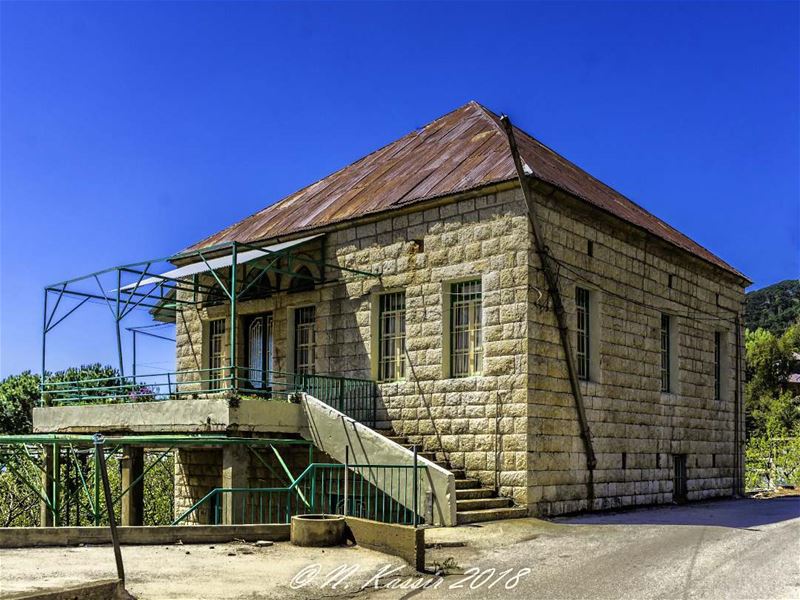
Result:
[{"x": 724, "y": 549}]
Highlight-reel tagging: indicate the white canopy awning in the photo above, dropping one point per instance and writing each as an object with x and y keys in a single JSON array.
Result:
[{"x": 220, "y": 262}]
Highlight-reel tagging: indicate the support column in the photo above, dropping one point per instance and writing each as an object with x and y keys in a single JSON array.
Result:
[
  {"x": 133, "y": 500},
  {"x": 50, "y": 466},
  {"x": 235, "y": 471}
]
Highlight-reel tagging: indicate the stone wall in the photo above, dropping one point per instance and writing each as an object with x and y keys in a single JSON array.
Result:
[
  {"x": 197, "y": 472},
  {"x": 477, "y": 423},
  {"x": 515, "y": 426},
  {"x": 632, "y": 421},
  {"x": 200, "y": 470}
]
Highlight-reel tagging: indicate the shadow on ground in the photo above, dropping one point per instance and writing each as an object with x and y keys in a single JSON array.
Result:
[{"x": 745, "y": 513}]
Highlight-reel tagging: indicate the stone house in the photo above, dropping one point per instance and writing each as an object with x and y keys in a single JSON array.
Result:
[{"x": 457, "y": 325}]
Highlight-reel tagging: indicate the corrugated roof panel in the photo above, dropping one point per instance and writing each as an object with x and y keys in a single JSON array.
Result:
[{"x": 462, "y": 150}]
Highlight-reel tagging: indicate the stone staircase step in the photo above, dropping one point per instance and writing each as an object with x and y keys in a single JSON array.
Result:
[
  {"x": 459, "y": 473},
  {"x": 473, "y": 494},
  {"x": 464, "y": 484},
  {"x": 481, "y": 503},
  {"x": 491, "y": 514}
]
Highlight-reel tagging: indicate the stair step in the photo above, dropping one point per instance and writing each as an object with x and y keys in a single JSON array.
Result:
[
  {"x": 491, "y": 514},
  {"x": 427, "y": 455},
  {"x": 397, "y": 439},
  {"x": 481, "y": 503},
  {"x": 474, "y": 494},
  {"x": 459, "y": 473},
  {"x": 464, "y": 484}
]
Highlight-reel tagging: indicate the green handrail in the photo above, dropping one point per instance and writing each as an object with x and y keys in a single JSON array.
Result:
[{"x": 368, "y": 495}]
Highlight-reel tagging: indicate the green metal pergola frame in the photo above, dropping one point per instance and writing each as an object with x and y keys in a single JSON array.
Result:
[
  {"x": 163, "y": 296},
  {"x": 18, "y": 446}
]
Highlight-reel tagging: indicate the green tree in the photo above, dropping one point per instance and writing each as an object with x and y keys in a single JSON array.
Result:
[{"x": 18, "y": 395}]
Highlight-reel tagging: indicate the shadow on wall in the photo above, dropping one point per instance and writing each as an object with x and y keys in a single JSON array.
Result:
[{"x": 747, "y": 513}]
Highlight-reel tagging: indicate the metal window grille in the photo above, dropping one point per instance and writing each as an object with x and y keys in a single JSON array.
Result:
[
  {"x": 392, "y": 337},
  {"x": 665, "y": 353},
  {"x": 304, "y": 339},
  {"x": 216, "y": 346},
  {"x": 466, "y": 343},
  {"x": 582, "y": 346},
  {"x": 260, "y": 351},
  {"x": 717, "y": 365}
]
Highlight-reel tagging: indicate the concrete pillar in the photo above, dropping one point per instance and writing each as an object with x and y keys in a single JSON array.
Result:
[
  {"x": 235, "y": 474},
  {"x": 133, "y": 500},
  {"x": 50, "y": 466}
]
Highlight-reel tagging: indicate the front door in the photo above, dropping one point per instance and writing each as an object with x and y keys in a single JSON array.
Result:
[{"x": 259, "y": 352}]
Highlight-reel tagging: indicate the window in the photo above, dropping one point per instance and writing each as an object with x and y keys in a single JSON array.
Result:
[
  {"x": 392, "y": 336},
  {"x": 259, "y": 352},
  {"x": 216, "y": 345},
  {"x": 302, "y": 280},
  {"x": 666, "y": 354},
  {"x": 304, "y": 327},
  {"x": 717, "y": 365},
  {"x": 679, "y": 483},
  {"x": 466, "y": 345},
  {"x": 583, "y": 342}
]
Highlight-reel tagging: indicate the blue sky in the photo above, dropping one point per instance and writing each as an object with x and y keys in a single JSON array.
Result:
[{"x": 132, "y": 129}]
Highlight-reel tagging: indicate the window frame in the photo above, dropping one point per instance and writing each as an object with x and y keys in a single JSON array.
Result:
[
  {"x": 666, "y": 352},
  {"x": 267, "y": 340},
  {"x": 583, "y": 329},
  {"x": 717, "y": 365},
  {"x": 217, "y": 332},
  {"x": 391, "y": 368},
  {"x": 473, "y": 350},
  {"x": 307, "y": 367}
]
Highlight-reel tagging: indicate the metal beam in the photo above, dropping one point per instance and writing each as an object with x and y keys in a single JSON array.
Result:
[{"x": 558, "y": 306}]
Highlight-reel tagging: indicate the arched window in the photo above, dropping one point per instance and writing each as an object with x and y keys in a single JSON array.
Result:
[
  {"x": 302, "y": 280},
  {"x": 215, "y": 296},
  {"x": 256, "y": 285}
]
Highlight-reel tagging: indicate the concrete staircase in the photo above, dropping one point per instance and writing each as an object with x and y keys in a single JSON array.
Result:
[{"x": 474, "y": 503}]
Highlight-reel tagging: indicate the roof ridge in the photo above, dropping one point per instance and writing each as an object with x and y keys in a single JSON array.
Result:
[{"x": 466, "y": 148}]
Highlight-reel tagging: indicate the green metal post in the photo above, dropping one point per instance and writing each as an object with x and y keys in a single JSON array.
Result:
[
  {"x": 44, "y": 345},
  {"x": 133, "y": 333},
  {"x": 233, "y": 296},
  {"x": 112, "y": 521},
  {"x": 414, "y": 500},
  {"x": 56, "y": 489},
  {"x": 117, "y": 320},
  {"x": 97, "y": 450}
]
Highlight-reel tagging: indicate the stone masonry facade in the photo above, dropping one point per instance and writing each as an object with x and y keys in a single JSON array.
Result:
[{"x": 514, "y": 426}]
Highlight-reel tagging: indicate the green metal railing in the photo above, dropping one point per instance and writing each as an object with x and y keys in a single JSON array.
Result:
[
  {"x": 386, "y": 493},
  {"x": 354, "y": 397},
  {"x": 61, "y": 471}
]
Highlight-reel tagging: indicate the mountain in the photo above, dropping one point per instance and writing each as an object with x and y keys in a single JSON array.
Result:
[{"x": 774, "y": 307}]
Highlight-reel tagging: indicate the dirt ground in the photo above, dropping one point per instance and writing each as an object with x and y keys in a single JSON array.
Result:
[
  {"x": 193, "y": 572},
  {"x": 745, "y": 549}
]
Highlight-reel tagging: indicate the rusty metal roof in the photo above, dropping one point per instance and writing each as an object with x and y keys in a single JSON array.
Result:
[{"x": 463, "y": 150}]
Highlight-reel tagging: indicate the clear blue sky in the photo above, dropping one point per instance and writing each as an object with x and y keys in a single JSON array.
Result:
[{"x": 131, "y": 129}]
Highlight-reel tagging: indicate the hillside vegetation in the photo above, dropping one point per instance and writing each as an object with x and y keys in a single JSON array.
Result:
[{"x": 774, "y": 307}]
